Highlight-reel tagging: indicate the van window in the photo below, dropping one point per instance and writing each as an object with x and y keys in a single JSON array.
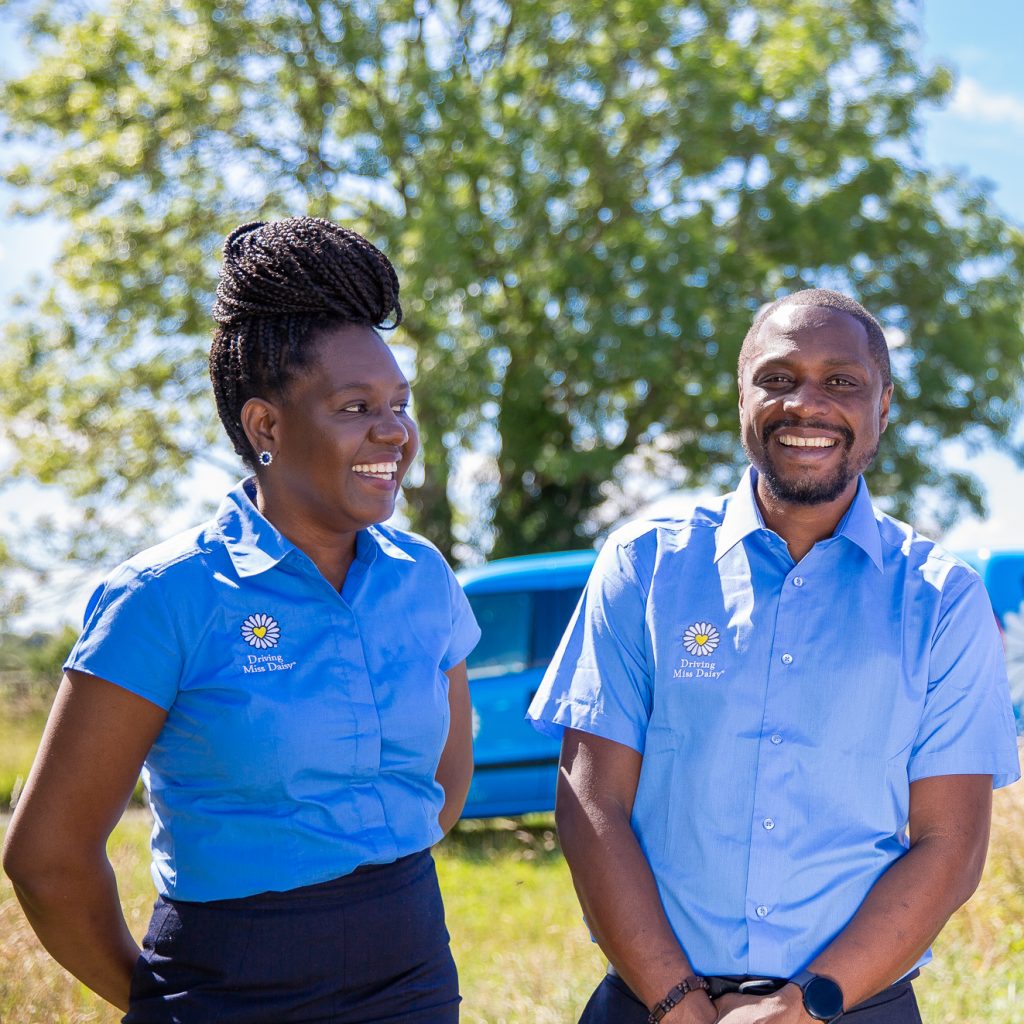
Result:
[
  {"x": 519, "y": 630},
  {"x": 552, "y": 611},
  {"x": 504, "y": 621}
]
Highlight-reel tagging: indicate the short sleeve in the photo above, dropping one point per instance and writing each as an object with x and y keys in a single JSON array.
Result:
[
  {"x": 599, "y": 680},
  {"x": 129, "y": 637},
  {"x": 465, "y": 633},
  {"x": 967, "y": 726}
]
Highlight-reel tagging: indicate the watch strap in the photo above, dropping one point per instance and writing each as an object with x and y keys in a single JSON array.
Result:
[{"x": 832, "y": 996}]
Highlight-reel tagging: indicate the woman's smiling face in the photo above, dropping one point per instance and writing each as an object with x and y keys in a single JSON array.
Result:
[{"x": 343, "y": 437}]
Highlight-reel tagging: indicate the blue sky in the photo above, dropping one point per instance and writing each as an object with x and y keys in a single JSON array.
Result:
[
  {"x": 980, "y": 132},
  {"x": 982, "y": 129}
]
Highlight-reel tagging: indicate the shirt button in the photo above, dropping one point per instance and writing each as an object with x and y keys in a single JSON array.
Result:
[
  {"x": 798, "y": 581},
  {"x": 787, "y": 659},
  {"x": 762, "y": 911},
  {"x": 769, "y": 823},
  {"x": 776, "y": 738}
]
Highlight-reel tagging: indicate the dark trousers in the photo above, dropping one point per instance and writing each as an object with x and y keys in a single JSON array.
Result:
[
  {"x": 613, "y": 1003},
  {"x": 369, "y": 948}
]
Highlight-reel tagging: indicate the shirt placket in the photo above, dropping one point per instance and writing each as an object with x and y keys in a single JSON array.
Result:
[
  {"x": 771, "y": 824},
  {"x": 369, "y": 752},
  {"x": 352, "y": 667}
]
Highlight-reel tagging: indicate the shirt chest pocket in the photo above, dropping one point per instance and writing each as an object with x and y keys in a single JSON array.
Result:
[
  {"x": 326, "y": 733},
  {"x": 853, "y": 702},
  {"x": 216, "y": 740},
  {"x": 413, "y": 702}
]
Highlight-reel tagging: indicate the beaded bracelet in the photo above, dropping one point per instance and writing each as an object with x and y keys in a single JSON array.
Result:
[{"x": 675, "y": 995}]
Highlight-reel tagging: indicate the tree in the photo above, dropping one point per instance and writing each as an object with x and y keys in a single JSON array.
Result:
[{"x": 586, "y": 207}]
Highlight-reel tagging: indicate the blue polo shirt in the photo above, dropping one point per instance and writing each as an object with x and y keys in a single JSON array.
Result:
[
  {"x": 782, "y": 710},
  {"x": 304, "y": 726}
]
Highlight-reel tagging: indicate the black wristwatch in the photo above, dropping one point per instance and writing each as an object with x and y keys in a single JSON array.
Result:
[{"x": 823, "y": 998}]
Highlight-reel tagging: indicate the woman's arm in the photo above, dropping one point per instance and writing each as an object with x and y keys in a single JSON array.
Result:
[
  {"x": 95, "y": 741},
  {"x": 455, "y": 769}
]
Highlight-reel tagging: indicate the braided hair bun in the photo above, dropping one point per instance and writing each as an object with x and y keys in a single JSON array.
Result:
[
  {"x": 305, "y": 265},
  {"x": 281, "y": 283}
]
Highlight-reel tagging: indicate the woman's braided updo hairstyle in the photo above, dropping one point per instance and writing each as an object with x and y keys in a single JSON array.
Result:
[{"x": 281, "y": 283}]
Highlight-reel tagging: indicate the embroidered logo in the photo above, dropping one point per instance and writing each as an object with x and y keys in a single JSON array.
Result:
[
  {"x": 701, "y": 638},
  {"x": 261, "y": 631}
]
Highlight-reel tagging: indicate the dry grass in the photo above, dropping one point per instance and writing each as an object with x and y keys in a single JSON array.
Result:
[
  {"x": 34, "y": 989},
  {"x": 977, "y": 976},
  {"x": 524, "y": 955},
  {"x": 21, "y": 725},
  {"x": 523, "y": 952}
]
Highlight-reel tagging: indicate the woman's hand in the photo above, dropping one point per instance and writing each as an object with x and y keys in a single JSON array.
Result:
[{"x": 95, "y": 741}]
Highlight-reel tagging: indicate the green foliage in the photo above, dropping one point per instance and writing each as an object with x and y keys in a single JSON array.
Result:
[
  {"x": 30, "y": 671},
  {"x": 587, "y": 205},
  {"x": 21, "y": 726},
  {"x": 34, "y": 663}
]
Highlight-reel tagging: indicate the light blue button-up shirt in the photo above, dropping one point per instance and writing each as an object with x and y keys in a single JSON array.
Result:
[
  {"x": 782, "y": 710},
  {"x": 304, "y": 726}
]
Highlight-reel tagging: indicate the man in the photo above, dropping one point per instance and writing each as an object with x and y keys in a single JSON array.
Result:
[{"x": 783, "y": 717}]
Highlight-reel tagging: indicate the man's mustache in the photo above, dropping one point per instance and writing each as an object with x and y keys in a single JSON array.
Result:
[{"x": 844, "y": 432}]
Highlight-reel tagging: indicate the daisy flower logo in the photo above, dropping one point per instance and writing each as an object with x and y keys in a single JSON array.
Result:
[
  {"x": 701, "y": 638},
  {"x": 261, "y": 631}
]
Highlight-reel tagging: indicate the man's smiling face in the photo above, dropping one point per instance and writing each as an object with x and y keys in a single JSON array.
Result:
[{"x": 812, "y": 404}]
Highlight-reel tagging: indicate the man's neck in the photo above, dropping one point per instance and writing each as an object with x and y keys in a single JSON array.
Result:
[{"x": 802, "y": 526}]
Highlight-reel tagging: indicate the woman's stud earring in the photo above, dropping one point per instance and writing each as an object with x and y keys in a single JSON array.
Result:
[{"x": 265, "y": 458}]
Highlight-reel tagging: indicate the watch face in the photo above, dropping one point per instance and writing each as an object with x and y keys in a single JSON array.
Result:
[{"x": 823, "y": 998}]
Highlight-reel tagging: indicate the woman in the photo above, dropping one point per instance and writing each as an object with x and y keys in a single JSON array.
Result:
[{"x": 290, "y": 677}]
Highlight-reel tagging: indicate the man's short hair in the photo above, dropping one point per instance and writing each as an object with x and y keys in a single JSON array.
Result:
[{"x": 826, "y": 299}]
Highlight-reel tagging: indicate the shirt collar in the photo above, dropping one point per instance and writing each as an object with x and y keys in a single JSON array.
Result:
[
  {"x": 255, "y": 545},
  {"x": 860, "y": 526},
  {"x": 742, "y": 517}
]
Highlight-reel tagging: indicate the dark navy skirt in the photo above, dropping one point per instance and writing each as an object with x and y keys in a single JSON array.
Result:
[{"x": 368, "y": 948}]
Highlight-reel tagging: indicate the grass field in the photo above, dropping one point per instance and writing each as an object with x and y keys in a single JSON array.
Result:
[
  {"x": 22, "y": 718},
  {"x": 524, "y": 956}
]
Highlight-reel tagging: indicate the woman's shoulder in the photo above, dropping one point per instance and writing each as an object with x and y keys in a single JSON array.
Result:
[{"x": 179, "y": 559}]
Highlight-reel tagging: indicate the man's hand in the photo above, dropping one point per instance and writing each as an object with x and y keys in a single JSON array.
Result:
[
  {"x": 783, "y": 1007},
  {"x": 696, "y": 1008}
]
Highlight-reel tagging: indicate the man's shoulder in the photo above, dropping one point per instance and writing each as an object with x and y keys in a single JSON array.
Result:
[
  {"x": 673, "y": 525},
  {"x": 905, "y": 547}
]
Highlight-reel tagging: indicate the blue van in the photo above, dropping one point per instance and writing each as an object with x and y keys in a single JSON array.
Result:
[
  {"x": 1003, "y": 573},
  {"x": 523, "y": 606}
]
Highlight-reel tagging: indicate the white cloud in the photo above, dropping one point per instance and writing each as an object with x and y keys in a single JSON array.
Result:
[{"x": 972, "y": 100}]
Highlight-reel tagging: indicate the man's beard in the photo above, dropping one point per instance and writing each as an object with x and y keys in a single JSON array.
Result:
[{"x": 814, "y": 490}]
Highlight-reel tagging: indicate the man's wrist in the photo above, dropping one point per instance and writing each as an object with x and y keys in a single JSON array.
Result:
[
  {"x": 792, "y": 998},
  {"x": 696, "y": 1008},
  {"x": 691, "y": 985},
  {"x": 820, "y": 996}
]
